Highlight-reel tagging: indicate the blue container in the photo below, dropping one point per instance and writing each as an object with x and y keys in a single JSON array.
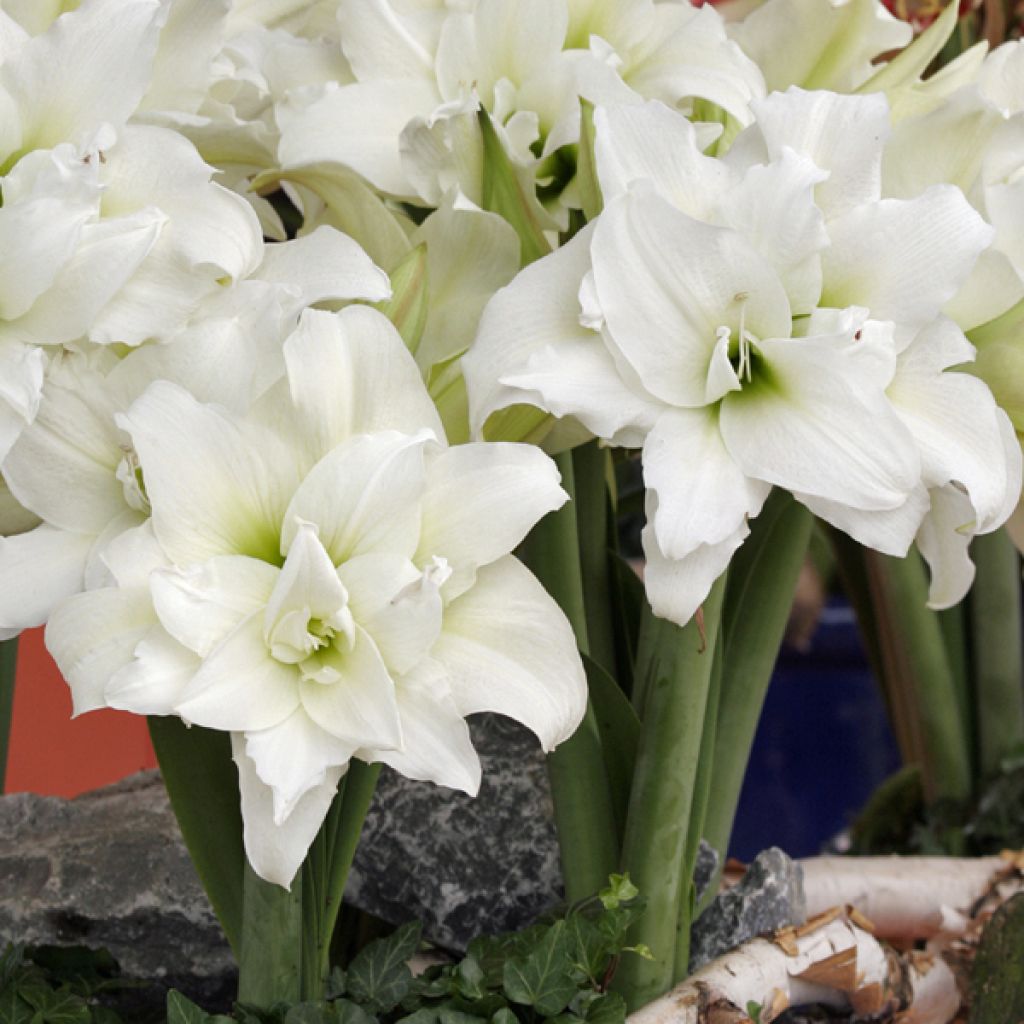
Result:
[{"x": 822, "y": 746}]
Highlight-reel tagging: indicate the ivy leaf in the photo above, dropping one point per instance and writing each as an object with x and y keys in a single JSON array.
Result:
[
  {"x": 504, "y": 1016},
  {"x": 446, "y": 1015},
  {"x": 620, "y": 890},
  {"x": 469, "y": 979},
  {"x": 378, "y": 977},
  {"x": 609, "y": 1008},
  {"x": 60, "y": 1007},
  {"x": 347, "y": 1012},
  {"x": 544, "y": 979},
  {"x": 181, "y": 1010},
  {"x": 336, "y": 985},
  {"x": 14, "y": 1009}
]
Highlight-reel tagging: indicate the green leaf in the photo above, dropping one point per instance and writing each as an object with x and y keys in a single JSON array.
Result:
[
  {"x": 348, "y": 1012},
  {"x": 446, "y": 1015},
  {"x": 424, "y": 1015},
  {"x": 379, "y": 977},
  {"x": 504, "y": 1016},
  {"x": 407, "y": 307},
  {"x": 56, "y": 1007},
  {"x": 337, "y": 982},
  {"x": 14, "y": 1009},
  {"x": 503, "y": 193},
  {"x": 202, "y": 783},
  {"x": 620, "y": 890},
  {"x": 8, "y": 665},
  {"x": 619, "y": 729},
  {"x": 181, "y": 1010},
  {"x": 544, "y": 979},
  {"x": 469, "y": 979},
  {"x": 608, "y": 1008}
]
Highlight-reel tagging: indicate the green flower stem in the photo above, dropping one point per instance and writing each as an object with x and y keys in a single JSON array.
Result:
[
  {"x": 916, "y": 669},
  {"x": 8, "y": 665},
  {"x": 698, "y": 815},
  {"x": 995, "y": 609},
  {"x": 590, "y": 466},
  {"x": 954, "y": 630},
  {"x": 202, "y": 783},
  {"x": 677, "y": 666},
  {"x": 584, "y": 814},
  {"x": 270, "y": 964},
  {"x": 762, "y": 582},
  {"x": 341, "y": 833}
]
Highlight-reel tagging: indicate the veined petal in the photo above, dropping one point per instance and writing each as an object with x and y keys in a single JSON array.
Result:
[
  {"x": 379, "y": 43},
  {"x": 654, "y": 142},
  {"x": 437, "y": 745},
  {"x": 240, "y": 685},
  {"x": 364, "y": 496},
  {"x": 40, "y": 569},
  {"x": 324, "y": 264},
  {"x": 201, "y": 604},
  {"x": 360, "y": 706},
  {"x": 93, "y": 635},
  {"x": 522, "y": 318},
  {"x": 359, "y": 126},
  {"x": 153, "y": 682},
  {"x": 22, "y": 368},
  {"x": 276, "y": 852},
  {"x": 666, "y": 283},
  {"x": 703, "y": 497},
  {"x": 208, "y": 478},
  {"x": 944, "y": 539},
  {"x": 819, "y": 424},
  {"x": 507, "y": 647},
  {"x": 890, "y": 531},
  {"x": 293, "y": 758},
  {"x": 843, "y": 135},
  {"x": 350, "y": 373},
  {"x": 903, "y": 258},
  {"x": 677, "y": 586},
  {"x": 480, "y": 501}
]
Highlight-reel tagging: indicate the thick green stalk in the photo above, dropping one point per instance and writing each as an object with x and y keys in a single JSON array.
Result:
[
  {"x": 590, "y": 475},
  {"x": 762, "y": 582},
  {"x": 270, "y": 964},
  {"x": 698, "y": 814},
  {"x": 916, "y": 667},
  {"x": 584, "y": 815},
  {"x": 676, "y": 663},
  {"x": 995, "y": 604},
  {"x": 202, "y": 783},
  {"x": 953, "y": 627},
  {"x": 8, "y": 665}
]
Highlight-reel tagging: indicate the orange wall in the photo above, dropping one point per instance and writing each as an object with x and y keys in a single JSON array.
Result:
[{"x": 55, "y": 755}]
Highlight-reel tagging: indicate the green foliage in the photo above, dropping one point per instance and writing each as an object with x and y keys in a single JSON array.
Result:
[
  {"x": 558, "y": 970},
  {"x": 49, "y": 985}
]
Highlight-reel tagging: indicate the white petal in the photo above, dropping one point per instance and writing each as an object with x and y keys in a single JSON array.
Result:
[
  {"x": 666, "y": 283},
  {"x": 358, "y": 126},
  {"x": 105, "y": 53},
  {"x": 324, "y": 265},
  {"x": 293, "y": 758},
  {"x": 201, "y": 604},
  {"x": 507, "y": 647},
  {"x": 360, "y": 706},
  {"x": 944, "y": 539},
  {"x": 208, "y": 477},
  {"x": 39, "y": 569},
  {"x": 404, "y": 629},
  {"x": 155, "y": 680},
  {"x": 276, "y": 852},
  {"x": 821, "y": 425},
  {"x": 364, "y": 496},
  {"x": 437, "y": 745},
  {"x": 22, "y": 368},
  {"x": 651, "y": 141},
  {"x": 843, "y": 135},
  {"x": 677, "y": 587},
  {"x": 93, "y": 635},
  {"x": 903, "y": 258},
  {"x": 239, "y": 685},
  {"x": 703, "y": 495},
  {"x": 481, "y": 500},
  {"x": 350, "y": 373},
  {"x": 890, "y": 531}
]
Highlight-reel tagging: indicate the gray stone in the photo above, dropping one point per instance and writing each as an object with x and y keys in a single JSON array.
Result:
[
  {"x": 108, "y": 869},
  {"x": 768, "y": 897},
  {"x": 463, "y": 866},
  {"x": 705, "y": 869}
]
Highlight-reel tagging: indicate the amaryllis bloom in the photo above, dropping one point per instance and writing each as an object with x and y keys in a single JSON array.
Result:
[{"x": 325, "y": 578}]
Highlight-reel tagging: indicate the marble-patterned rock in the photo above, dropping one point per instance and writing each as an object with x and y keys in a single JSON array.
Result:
[
  {"x": 769, "y": 896},
  {"x": 108, "y": 869},
  {"x": 463, "y": 866}
]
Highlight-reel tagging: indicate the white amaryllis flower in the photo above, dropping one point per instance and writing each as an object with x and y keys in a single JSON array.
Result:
[
  {"x": 326, "y": 579},
  {"x": 736, "y": 320}
]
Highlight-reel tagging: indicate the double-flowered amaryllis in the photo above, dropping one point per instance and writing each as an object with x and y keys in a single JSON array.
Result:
[
  {"x": 326, "y": 579},
  {"x": 763, "y": 319}
]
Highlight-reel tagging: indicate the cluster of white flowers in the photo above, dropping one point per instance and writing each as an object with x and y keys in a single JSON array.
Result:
[{"x": 227, "y": 484}]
